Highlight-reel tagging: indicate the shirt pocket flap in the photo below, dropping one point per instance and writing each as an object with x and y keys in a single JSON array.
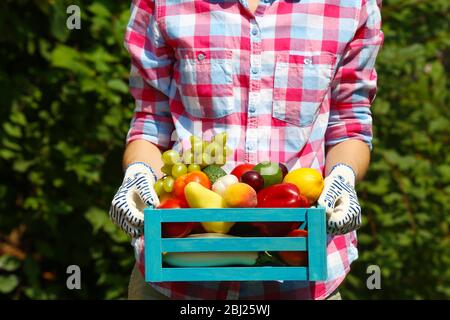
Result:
[
  {"x": 206, "y": 82},
  {"x": 300, "y": 85}
]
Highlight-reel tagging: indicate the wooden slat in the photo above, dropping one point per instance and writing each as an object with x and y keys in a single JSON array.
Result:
[
  {"x": 234, "y": 274},
  {"x": 231, "y": 214},
  {"x": 233, "y": 244}
]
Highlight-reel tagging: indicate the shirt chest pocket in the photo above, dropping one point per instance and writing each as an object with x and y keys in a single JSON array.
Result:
[
  {"x": 206, "y": 82},
  {"x": 300, "y": 85}
]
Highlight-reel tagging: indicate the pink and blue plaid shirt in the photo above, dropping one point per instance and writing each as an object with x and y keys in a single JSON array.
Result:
[{"x": 284, "y": 82}]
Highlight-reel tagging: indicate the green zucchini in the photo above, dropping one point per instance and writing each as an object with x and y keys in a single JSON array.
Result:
[{"x": 210, "y": 259}]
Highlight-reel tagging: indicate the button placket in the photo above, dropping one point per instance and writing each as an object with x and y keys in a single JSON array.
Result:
[
  {"x": 252, "y": 140},
  {"x": 251, "y": 143}
]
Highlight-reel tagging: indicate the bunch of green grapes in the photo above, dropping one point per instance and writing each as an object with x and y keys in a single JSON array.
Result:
[
  {"x": 205, "y": 153},
  {"x": 173, "y": 168},
  {"x": 201, "y": 154}
]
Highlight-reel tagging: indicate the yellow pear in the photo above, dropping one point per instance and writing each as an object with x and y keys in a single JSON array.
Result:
[{"x": 197, "y": 196}]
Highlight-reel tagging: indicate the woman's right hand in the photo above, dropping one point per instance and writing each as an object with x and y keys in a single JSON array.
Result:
[{"x": 135, "y": 194}]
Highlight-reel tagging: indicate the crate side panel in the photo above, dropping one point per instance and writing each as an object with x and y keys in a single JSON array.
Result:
[
  {"x": 317, "y": 255},
  {"x": 152, "y": 236}
]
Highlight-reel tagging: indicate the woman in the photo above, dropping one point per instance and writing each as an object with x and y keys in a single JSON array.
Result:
[{"x": 288, "y": 81}]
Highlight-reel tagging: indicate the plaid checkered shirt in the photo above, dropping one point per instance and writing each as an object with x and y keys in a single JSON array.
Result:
[{"x": 284, "y": 83}]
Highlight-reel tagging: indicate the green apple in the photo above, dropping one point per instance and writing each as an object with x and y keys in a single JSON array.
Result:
[{"x": 270, "y": 171}]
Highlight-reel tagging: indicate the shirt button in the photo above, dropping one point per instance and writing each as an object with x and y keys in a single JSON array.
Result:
[
  {"x": 254, "y": 32},
  {"x": 201, "y": 56},
  {"x": 254, "y": 71},
  {"x": 251, "y": 146},
  {"x": 251, "y": 109},
  {"x": 307, "y": 61}
]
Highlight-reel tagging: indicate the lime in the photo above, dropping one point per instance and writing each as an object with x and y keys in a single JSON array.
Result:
[{"x": 270, "y": 171}]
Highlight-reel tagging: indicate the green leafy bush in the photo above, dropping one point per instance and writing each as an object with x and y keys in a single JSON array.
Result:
[{"x": 65, "y": 110}]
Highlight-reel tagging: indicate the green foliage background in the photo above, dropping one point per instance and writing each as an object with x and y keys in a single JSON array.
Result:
[{"x": 65, "y": 110}]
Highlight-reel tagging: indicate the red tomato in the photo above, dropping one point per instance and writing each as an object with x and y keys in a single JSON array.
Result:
[
  {"x": 241, "y": 169},
  {"x": 295, "y": 258},
  {"x": 175, "y": 229}
]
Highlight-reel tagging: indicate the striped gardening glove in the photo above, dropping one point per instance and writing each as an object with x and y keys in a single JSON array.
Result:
[
  {"x": 340, "y": 200},
  {"x": 135, "y": 194}
]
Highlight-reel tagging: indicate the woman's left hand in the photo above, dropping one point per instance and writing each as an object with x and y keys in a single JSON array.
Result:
[{"x": 340, "y": 200}]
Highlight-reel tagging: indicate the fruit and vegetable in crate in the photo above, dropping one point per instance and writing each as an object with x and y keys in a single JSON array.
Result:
[
  {"x": 295, "y": 258},
  {"x": 223, "y": 183},
  {"x": 182, "y": 181},
  {"x": 308, "y": 180},
  {"x": 284, "y": 169},
  {"x": 270, "y": 171},
  {"x": 214, "y": 172},
  {"x": 281, "y": 195},
  {"x": 254, "y": 179},
  {"x": 240, "y": 195},
  {"x": 201, "y": 163},
  {"x": 198, "y": 196},
  {"x": 195, "y": 179},
  {"x": 175, "y": 229},
  {"x": 241, "y": 169}
]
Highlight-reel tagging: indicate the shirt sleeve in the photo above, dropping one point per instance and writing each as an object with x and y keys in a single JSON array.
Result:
[
  {"x": 355, "y": 83},
  {"x": 150, "y": 76}
]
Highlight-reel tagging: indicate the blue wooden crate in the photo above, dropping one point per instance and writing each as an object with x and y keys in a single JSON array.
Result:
[{"x": 314, "y": 244}]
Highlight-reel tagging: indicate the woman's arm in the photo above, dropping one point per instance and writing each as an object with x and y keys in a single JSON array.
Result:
[
  {"x": 143, "y": 151},
  {"x": 352, "y": 152},
  {"x": 339, "y": 196}
]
